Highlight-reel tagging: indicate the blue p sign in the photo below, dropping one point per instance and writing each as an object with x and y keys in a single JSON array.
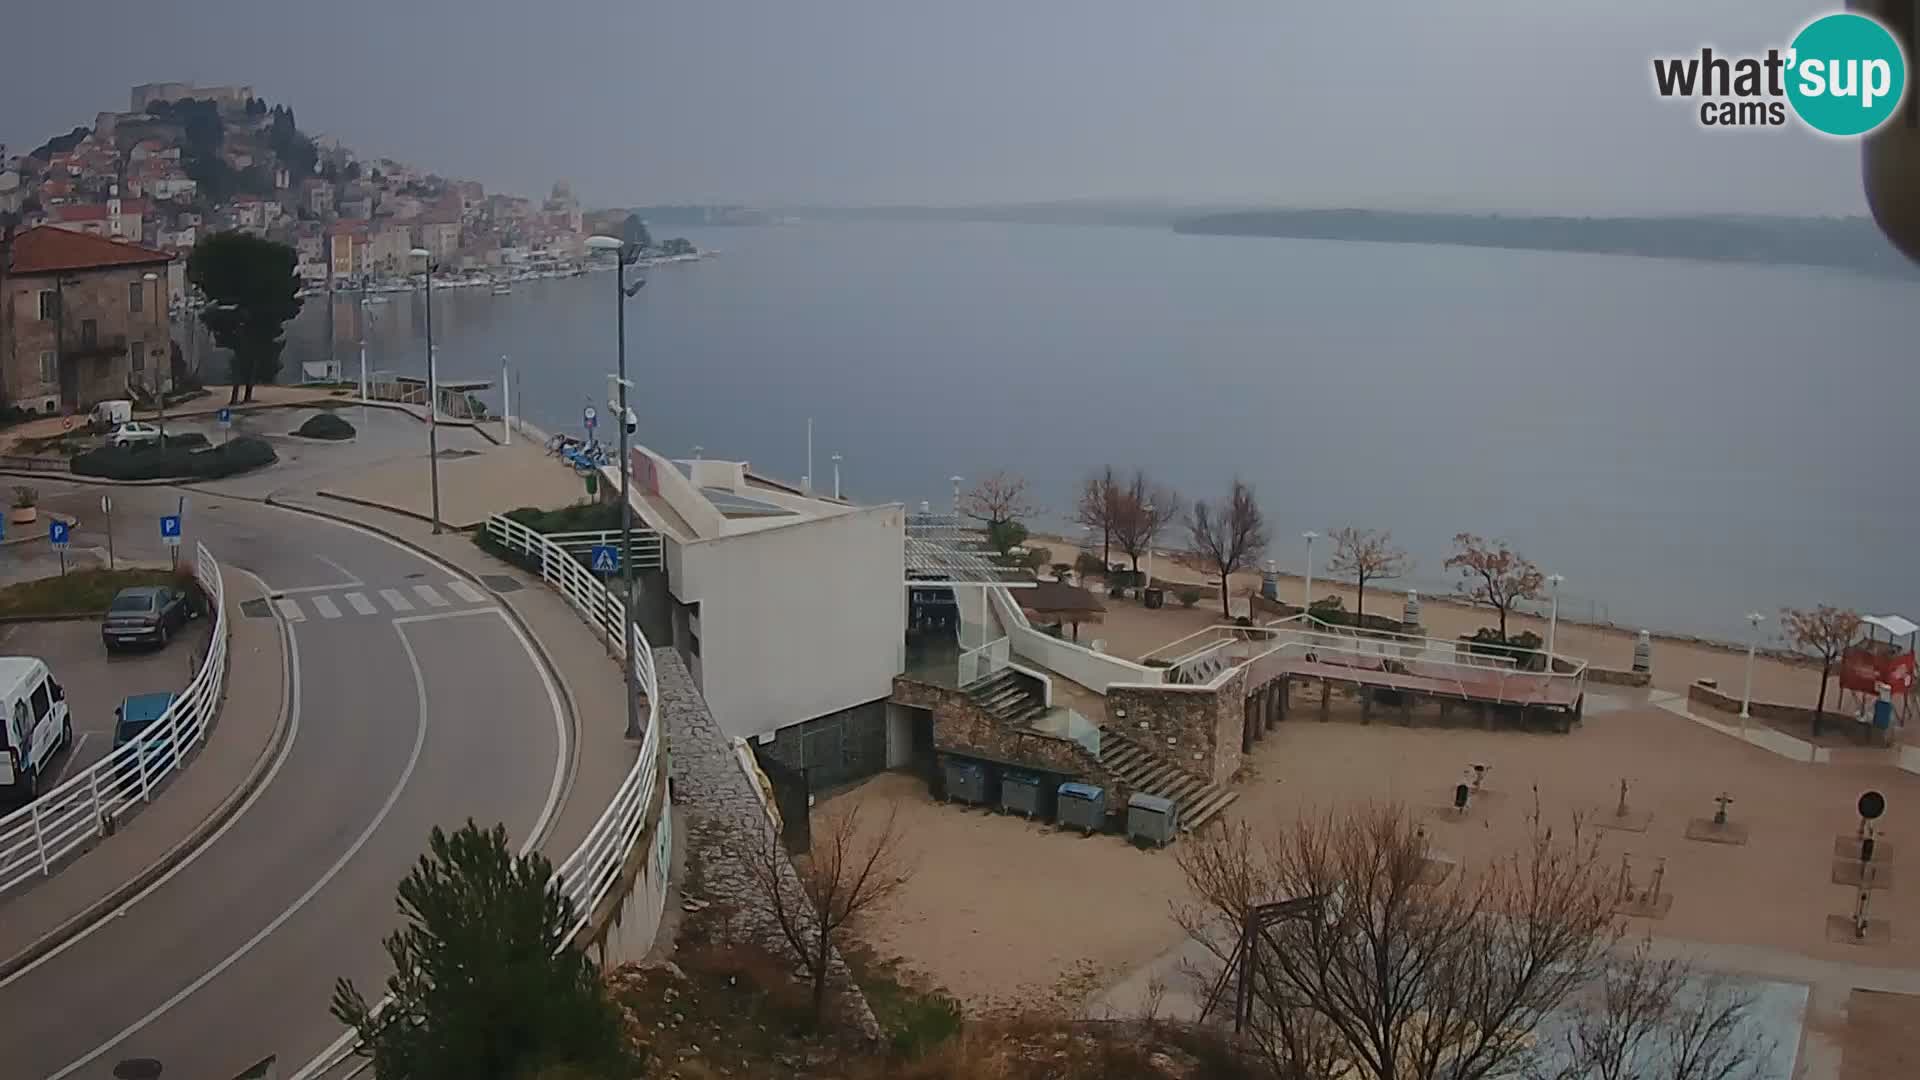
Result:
[
  {"x": 170, "y": 529},
  {"x": 225, "y": 416},
  {"x": 57, "y": 533}
]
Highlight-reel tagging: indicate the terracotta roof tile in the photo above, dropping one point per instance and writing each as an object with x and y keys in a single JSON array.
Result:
[{"x": 49, "y": 249}]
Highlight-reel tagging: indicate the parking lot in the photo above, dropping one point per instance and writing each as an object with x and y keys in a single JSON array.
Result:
[{"x": 96, "y": 682}]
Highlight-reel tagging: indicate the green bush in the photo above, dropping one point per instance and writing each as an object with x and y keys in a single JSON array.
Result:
[
  {"x": 325, "y": 425},
  {"x": 1088, "y": 564},
  {"x": 186, "y": 440},
  {"x": 1523, "y": 647},
  {"x": 1189, "y": 597},
  {"x": 174, "y": 461}
]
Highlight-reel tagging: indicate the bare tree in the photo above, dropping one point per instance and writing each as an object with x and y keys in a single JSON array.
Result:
[
  {"x": 1228, "y": 537},
  {"x": 999, "y": 499},
  {"x": 1142, "y": 511},
  {"x": 1098, "y": 507},
  {"x": 1495, "y": 575},
  {"x": 810, "y": 900},
  {"x": 1659, "y": 1019},
  {"x": 1825, "y": 632},
  {"x": 1398, "y": 973},
  {"x": 1365, "y": 555}
]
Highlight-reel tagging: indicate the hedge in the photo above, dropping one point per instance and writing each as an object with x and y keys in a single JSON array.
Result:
[
  {"x": 175, "y": 462},
  {"x": 325, "y": 426}
]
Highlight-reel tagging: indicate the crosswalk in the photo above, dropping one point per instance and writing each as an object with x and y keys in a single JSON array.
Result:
[{"x": 362, "y": 603}]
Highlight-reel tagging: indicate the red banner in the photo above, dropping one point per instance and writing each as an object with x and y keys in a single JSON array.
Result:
[{"x": 1864, "y": 670}]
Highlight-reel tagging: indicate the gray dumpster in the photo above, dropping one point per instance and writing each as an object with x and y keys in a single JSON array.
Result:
[
  {"x": 1152, "y": 818},
  {"x": 966, "y": 781},
  {"x": 1020, "y": 793},
  {"x": 1083, "y": 807}
]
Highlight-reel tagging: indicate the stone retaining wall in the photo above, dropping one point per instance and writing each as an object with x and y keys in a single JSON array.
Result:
[
  {"x": 723, "y": 811},
  {"x": 1713, "y": 698},
  {"x": 961, "y": 726},
  {"x": 1199, "y": 729}
]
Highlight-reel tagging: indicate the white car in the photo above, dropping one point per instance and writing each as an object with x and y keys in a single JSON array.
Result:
[{"x": 134, "y": 433}]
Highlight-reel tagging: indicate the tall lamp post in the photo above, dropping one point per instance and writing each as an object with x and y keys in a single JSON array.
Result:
[
  {"x": 1306, "y": 597},
  {"x": 626, "y": 253},
  {"x": 1754, "y": 619},
  {"x": 160, "y": 373},
  {"x": 1553, "y": 616},
  {"x": 433, "y": 390},
  {"x": 1146, "y": 511}
]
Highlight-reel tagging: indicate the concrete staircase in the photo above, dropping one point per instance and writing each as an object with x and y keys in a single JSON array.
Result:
[
  {"x": 1146, "y": 771},
  {"x": 1009, "y": 697}
]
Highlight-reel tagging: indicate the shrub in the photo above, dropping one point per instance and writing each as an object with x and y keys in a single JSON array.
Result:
[
  {"x": 1522, "y": 647},
  {"x": 1189, "y": 596},
  {"x": 187, "y": 440},
  {"x": 175, "y": 462},
  {"x": 325, "y": 425},
  {"x": 25, "y": 497},
  {"x": 1088, "y": 565},
  {"x": 1061, "y": 570}
]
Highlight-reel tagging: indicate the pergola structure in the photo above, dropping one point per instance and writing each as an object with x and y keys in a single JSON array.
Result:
[{"x": 945, "y": 552}]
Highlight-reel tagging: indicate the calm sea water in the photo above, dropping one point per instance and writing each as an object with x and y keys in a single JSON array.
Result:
[{"x": 1684, "y": 442}]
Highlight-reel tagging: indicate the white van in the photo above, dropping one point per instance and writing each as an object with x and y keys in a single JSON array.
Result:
[
  {"x": 108, "y": 415},
  {"x": 34, "y": 725}
]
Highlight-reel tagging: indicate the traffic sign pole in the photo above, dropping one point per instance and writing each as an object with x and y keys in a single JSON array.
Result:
[{"x": 106, "y": 507}]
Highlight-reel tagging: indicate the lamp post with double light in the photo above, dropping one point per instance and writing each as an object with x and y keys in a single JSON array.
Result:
[
  {"x": 626, "y": 252},
  {"x": 1306, "y": 598},
  {"x": 433, "y": 390}
]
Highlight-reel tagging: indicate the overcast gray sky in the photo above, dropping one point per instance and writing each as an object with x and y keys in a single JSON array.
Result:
[{"x": 1491, "y": 104}]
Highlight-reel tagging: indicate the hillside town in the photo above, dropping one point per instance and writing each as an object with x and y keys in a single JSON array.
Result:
[{"x": 96, "y": 225}]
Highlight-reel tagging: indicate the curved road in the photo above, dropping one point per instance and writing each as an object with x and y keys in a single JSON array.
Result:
[{"x": 414, "y": 703}]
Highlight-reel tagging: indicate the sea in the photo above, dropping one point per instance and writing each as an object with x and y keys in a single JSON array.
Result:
[{"x": 1684, "y": 442}]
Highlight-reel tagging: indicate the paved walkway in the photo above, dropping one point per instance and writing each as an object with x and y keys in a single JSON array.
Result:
[
  {"x": 473, "y": 484},
  {"x": 214, "y": 782}
]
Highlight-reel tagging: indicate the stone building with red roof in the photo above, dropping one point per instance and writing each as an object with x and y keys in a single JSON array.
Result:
[{"x": 82, "y": 317}]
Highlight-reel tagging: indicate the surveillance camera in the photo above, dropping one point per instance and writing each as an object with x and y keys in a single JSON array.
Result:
[{"x": 633, "y": 422}]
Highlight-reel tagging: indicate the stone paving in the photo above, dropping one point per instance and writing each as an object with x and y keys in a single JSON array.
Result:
[{"x": 722, "y": 813}]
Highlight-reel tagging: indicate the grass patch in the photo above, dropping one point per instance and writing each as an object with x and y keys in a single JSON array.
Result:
[
  {"x": 915, "y": 1019},
  {"x": 81, "y": 590},
  {"x": 580, "y": 517}
]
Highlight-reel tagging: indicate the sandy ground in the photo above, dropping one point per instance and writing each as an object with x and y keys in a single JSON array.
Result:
[
  {"x": 1133, "y": 631},
  {"x": 1003, "y": 910}
]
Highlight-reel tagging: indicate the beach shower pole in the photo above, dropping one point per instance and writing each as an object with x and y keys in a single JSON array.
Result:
[
  {"x": 1553, "y": 618},
  {"x": 1306, "y": 598},
  {"x": 836, "y": 476},
  {"x": 1754, "y": 618}
]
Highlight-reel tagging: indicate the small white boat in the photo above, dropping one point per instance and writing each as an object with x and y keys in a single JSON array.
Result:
[{"x": 501, "y": 288}]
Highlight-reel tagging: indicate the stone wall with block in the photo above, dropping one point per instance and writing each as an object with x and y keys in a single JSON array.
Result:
[
  {"x": 961, "y": 726},
  {"x": 1197, "y": 728}
]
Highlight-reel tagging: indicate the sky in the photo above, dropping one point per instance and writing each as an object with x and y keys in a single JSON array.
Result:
[{"x": 1513, "y": 105}]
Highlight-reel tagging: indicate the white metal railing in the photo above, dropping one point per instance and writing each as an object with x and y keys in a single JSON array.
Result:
[
  {"x": 589, "y": 874},
  {"x": 646, "y": 545},
  {"x": 87, "y": 804}
]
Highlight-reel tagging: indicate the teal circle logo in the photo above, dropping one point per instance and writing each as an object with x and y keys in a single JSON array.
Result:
[{"x": 1847, "y": 74}]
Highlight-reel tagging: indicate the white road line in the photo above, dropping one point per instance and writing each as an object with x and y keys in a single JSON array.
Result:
[
  {"x": 290, "y": 609},
  {"x": 419, "y": 742},
  {"x": 324, "y": 605},
  {"x": 290, "y": 655},
  {"x": 344, "y": 572},
  {"x": 466, "y": 592},
  {"x": 427, "y": 593},
  {"x": 439, "y": 615},
  {"x": 304, "y": 589},
  {"x": 360, "y": 603},
  {"x": 395, "y": 600}
]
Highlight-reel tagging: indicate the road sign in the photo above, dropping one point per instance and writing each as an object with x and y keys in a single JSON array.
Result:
[
  {"x": 170, "y": 529},
  {"x": 606, "y": 559},
  {"x": 225, "y": 416},
  {"x": 106, "y": 504},
  {"x": 57, "y": 532},
  {"x": 589, "y": 417}
]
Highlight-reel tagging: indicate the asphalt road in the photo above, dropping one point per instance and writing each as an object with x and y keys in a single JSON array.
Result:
[{"x": 416, "y": 704}]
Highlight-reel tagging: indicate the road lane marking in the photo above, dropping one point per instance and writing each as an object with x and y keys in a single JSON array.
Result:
[
  {"x": 344, "y": 572},
  {"x": 289, "y": 655},
  {"x": 406, "y": 775},
  {"x": 324, "y": 605},
  {"x": 427, "y": 593},
  {"x": 330, "y": 1058},
  {"x": 395, "y": 600},
  {"x": 466, "y": 592},
  {"x": 360, "y": 603},
  {"x": 290, "y": 609}
]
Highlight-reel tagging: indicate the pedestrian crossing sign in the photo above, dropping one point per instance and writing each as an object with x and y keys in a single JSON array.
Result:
[{"x": 605, "y": 559}]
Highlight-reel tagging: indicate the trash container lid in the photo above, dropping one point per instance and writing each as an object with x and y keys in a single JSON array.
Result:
[
  {"x": 1080, "y": 791},
  {"x": 1150, "y": 802}
]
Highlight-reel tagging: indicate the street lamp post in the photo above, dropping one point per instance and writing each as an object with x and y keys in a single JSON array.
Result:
[
  {"x": 627, "y": 252},
  {"x": 1754, "y": 619},
  {"x": 1553, "y": 617},
  {"x": 160, "y": 374},
  {"x": 433, "y": 391},
  {"x": 1306, "y": 597},
  {"x": 1147, "y": 512}
]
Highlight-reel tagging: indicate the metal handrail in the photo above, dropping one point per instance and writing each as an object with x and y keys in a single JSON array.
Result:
[
  {"x": 87, "y": 804},
  {"x": 588, "y": 874}
]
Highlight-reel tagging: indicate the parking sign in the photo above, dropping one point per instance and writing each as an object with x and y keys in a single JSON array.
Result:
[
  {"x": 225, "y": 416},
  {"x": 170, "y": 529},
  {"x": 57, "y": 532}
]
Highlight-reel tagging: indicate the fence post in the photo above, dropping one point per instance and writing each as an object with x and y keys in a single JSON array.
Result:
[
  {"x": 99, "y": 812},
  {"x": 140, "y": 762},
  {"x": 40, "y": 842}
]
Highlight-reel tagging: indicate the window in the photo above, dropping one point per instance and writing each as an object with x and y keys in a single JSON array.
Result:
[
  {"x": 139, "y": 353},
  {"x": 42, "y": 702},
  {"x": 49, "y": 305},
  {"x": 89, "y": 333},
  {"x": 49, "y": 366},
  {"x": 136, "y": 295}
]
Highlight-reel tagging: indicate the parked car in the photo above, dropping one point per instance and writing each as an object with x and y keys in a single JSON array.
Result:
[
  {"x": 146, "y": 613},
  {"x": 133, "y": 717},
  {"x": 134, "y": 433}
]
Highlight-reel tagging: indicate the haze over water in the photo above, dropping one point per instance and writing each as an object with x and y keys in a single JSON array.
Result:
[{"x": 1684, "y": 441}]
